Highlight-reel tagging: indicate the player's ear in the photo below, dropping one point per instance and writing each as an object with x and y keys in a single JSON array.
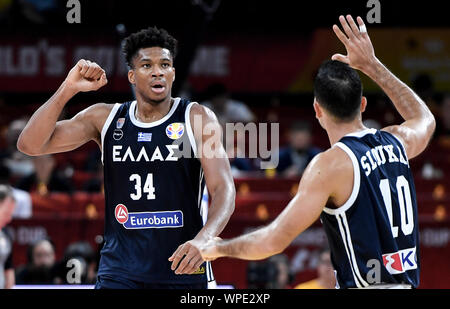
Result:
[
  {"x": 317, "y": 109},
  {"x": 173, "y": 79},
  {"x": 131, "y": 77},
  {"x": 363, "y": 104}
]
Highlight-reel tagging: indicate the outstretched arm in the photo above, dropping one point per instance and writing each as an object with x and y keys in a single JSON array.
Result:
[
  {"x": 419, "y": 124},
  {"x": 44, "y": 134},
  {"x": 316, "y": 187}
]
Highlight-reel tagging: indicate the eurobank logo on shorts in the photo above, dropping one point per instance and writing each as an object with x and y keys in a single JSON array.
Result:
[{"x": 148, "y": 220}]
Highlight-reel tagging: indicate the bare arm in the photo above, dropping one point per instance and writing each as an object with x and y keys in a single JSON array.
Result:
[
  {"x": 316, "y": 187},
  {"x": 419, "y": 124},
  {"x": 217, "y": 171},
  {"x": 219, "y": 182},
  {"x": 44, "y": 134}
]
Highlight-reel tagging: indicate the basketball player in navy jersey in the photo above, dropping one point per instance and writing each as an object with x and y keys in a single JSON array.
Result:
[
  {"x": 154, "y": 171},
  {"x": 362, "y": 187}
]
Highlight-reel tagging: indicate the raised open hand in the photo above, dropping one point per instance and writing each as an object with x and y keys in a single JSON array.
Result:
[{"x": 360, "y": 52}]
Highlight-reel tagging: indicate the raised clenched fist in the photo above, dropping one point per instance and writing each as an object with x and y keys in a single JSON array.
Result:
[{"x": 86, "y": 76}]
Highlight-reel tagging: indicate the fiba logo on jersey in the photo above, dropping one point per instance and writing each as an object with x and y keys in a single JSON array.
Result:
[
  {"x": 117, "y": 134},
  {"x": 121, "y": 213},
  {"x": 175, "y": 130}
]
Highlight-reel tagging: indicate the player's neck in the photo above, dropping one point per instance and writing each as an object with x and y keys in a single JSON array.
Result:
[
  {"x": 336, "y": 131},
  {"x": 149, "y": 111}
]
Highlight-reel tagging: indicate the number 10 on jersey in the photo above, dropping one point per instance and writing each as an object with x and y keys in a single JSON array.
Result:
[
  {"x": 405, "y": 204},
  {"x": 148, "y": 188}
]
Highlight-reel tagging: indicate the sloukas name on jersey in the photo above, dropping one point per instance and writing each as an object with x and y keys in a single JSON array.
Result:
[
  {"x": 374, "y": 236},
  {"x": 153, "y": 193}
]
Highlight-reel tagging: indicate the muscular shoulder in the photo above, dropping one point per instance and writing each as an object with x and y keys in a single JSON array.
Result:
[
  {"x": 204, "y": 121},
  {"x": 203, "y": 111},
  {"x": 333, "y": 161},
  {"x": 402, "y": 133},
  {"x": 331, "y": 170},
  {"x": 96, "y": 114}
]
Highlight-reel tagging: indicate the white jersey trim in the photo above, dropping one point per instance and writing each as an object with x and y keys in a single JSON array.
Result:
[
  {"x": 362, "y": 133},
  {"x": 107, "y": 123},
  {"x": 356, "y": 183},
  {"x": 347, "y": 239},
  {"x": 210, "y": 277},
  {"x": 401, "y": 144},
  {"x": 189, "y": 129},
  {"x": 138, "y": 123}
]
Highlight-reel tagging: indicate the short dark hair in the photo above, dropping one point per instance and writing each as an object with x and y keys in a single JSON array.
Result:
[
  {"x": 338, "y": 88},
  {"x": 150, "y": 37}
]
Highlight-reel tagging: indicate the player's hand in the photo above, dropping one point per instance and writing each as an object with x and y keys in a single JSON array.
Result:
[
  {"x": 187, "y": 258},
  {"x": 210, "y": 251},
  {"x": 86, "y": 76},
  {"x": 360, "y": 52}
]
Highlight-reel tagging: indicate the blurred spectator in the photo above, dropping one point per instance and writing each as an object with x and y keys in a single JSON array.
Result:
[
  {"x": 23, "y": 209},
  {"x": 284, "y": 276},
  {"x": 325, "y": 274},
  {"x": 7, "y": 204},
  {"x": 95, "y": 183},
  {"x": 46, "y": 178},
  {"x": 41, "y": 264},
  {"x": 296, "y": 156},
  {"x": 85, "y": 255},
  {"x": 272, "y": 273},
  {"x": 435, "y": 166},
  {"x": 19, "y": 164},
  {"x": 226, "y": 109},
  {"x": 239, "y": 163}
]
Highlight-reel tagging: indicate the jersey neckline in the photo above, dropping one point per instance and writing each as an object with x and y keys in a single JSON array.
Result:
[
  {"x": 362, "y": 133},
  {"x": 141, "y": 124}
]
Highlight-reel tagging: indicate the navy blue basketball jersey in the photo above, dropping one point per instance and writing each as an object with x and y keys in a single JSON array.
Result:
[
  {"x": 153, "y": 192},
  {"x": 374, "y": 236}
]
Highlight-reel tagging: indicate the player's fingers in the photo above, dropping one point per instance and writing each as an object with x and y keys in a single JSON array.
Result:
[
  {"x": 98, "y": 74},
  {"x": 103, "y": 80},
  {"x": 100, "y": 82},
  {"x": 185, "y": 266},
  {"x": 93, "y": 67},
  {"x": 176, "y": 257},
  {"x": 341, "y": 36},
  {"x": 362, "y": 27},
  {"x": 194, "y": 264},
  {"x": 175, "y": 253},
  {"x": 83, "y": 66},
  {"x": 340, "y": 57},
  {"x": 353, "y": 26},
  {"x": 197, "y": 264},
  {"x": 346, "y": 27},
  {"x": 80, "y": 63},
  {"x": 184, "y": 263}
]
